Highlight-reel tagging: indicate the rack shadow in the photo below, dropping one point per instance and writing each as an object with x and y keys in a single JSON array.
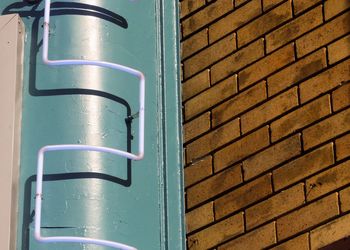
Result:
[{"x": 65, "y": 8}]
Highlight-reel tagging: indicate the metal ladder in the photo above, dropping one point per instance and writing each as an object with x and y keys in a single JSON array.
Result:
[{"x": 79, "y": 147}]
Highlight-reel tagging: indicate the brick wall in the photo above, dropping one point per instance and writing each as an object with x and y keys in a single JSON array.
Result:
[{"x": 266, "y": 104}]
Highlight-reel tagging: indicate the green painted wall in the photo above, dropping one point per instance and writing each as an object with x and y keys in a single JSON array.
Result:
[{"x": 93, "y": 194}]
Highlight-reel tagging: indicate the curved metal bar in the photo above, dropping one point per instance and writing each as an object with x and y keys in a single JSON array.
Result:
[
  {"x": 79, "y": 147},
  {"x": 39, "y": 194},
  {"x": 118, "y": 67}
]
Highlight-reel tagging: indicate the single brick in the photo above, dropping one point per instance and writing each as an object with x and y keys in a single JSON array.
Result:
[
  {"x": 214, "y": 185},
  {"x": 323, "y": 35},
  {"x": 269, "y": 110},
  {"x": 266, "y": 66},
  {"x": 327, "y": 129},
  {"x": 200, "y": 217},
  {"x": 294, "y": 29},
  {"x": 239, "y": 103},
  {"x": 297, "y": 72},
  {"x": 339, "y": 49},
  {"x": 195, "y": 85},
  {"x": 217, "y": 233},
  {"x": 188, "y": 6},
  {"x": 303, "y": 167},
  {"x": 268, "y": 4},
  {"x": 301, "y": 5},
  {"x": 345, "y": 200},
  {"x": 343, "y": 147},
  {"x": 325, "y": 81},
  {"x": 205, "y": 16},
  {"x": 209, "y": 55},
  {"x": 234, "y": 20},
  {"x": 198, "y": 170},
  {"x": 276, "y": 205},
  {"x": 242, "y": 148},
  {"x": 210, "y": 97},
  {"x": 334, "y": 7},
  {"x": 194, "y": 43},
  {"x": 243, "y": 196},
  {"x": 301, "y": 117},
  {"x": 213, "y": 140},
  {"x": 257, "y": 239},
  {"x": 341, "y": 97},
  {"x": 238, "y": 60},
  {"x": 306, "y": 217},
  {"x": 331, "y": 232},
  {"x": 264, "y": 23},
  {"x": 271, "y": 157},
  {"x": 300, "y": 243},
  {"x": 196, "y": 127},
  {"x": 328, "y": 181}
]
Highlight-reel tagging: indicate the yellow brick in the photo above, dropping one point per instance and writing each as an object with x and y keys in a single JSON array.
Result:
[
  {"x": 264, "y": 23},
  {"x": 328, "y": 181},
  {"x": 198, "y": 170},
  {"x": 327, "y": 129},
  {"x": 200, "y": 217},
  {"x": 333, "y": 231},
  {"x": 297, "y": 72},
  {"x": 214, "y": 185},
  {"x": 243, "y": 196},
  {"x": 242, "y": 148},
  {"x": 196, "y": 127},
  {"x": 334, "y": 7},
  {"x": 271, "y": 157},
  {"x": 275, "y": 206},
  {"x": 213, "y": 140},
  {"x": 294, "y": 29},
  {"x": 301, "y": 5},
  {"x": 195, "y": 85},
  {"x": 257, "y": 239},
  {"x": 300, "y": 117},
  {"x": 299, "y": 243},
  {"x": 238, "y": 60},
  {"x": 303, "y": 166},
  {"x": 194, "y": 43},
  {"x": 339, "y": 49},
  {"x": 188, "y": 6},
  {"x": 234, "y": 20},
  {"x": 306, "y": 217},
  {"x": 345, "y": 200},
  {"x": 205, "y": 16},
  {"x": 269, "y": 110},
  {"x": 266, "y": 66},
  {"x": 209, "y": 55},
  {"x": 341, "y": 97},
  {"x": 210, "y": 97},
  {"x": 325, "y": 81},
  {"x": 323, "y": 35},
  {"x": 239, "y": 103},
  {"x": 268, "y": 4},
  {"x": 343, "y": 147},
  {"x": 217, "y": 233}
]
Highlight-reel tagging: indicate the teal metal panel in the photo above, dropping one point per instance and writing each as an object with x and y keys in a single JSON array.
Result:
[{"x": 92, "y": 194}]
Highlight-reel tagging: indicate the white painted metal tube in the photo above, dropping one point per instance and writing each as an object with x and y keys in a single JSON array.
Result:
[
  {"x": 39, "y": 195},
  {"x": 79, "y": 147},
  {"x": 119, "y": 67}
]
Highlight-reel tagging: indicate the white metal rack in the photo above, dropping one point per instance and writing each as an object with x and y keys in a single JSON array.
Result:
[{"x": 79, "y": 147}]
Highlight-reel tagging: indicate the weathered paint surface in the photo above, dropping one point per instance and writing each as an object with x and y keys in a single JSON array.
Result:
[{"x": 93, "y": 194}]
